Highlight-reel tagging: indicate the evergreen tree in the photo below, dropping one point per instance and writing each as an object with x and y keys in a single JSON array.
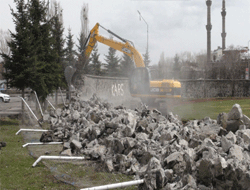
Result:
[
  {"x": 126, "y": 66},
  {"x": 47, "y": 72},
  {"x": 146, "y": 58},
  {"x": 18, "y": 64},
  {"x": 70, "y": 52},
  {"x": 32, "y": 62},
  {"x": 95, "y": 66},
  {"x": 112, "y": 63}
]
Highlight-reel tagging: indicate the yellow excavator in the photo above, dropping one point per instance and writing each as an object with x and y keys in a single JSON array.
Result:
[{"x": 140, "y": 80}]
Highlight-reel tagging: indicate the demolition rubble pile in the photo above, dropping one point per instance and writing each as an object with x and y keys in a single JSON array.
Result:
[{"x": 200, "y": 154}]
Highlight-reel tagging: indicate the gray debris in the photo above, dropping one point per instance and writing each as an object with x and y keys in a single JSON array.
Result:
[
  {"x": 246, "y": 121},
  {"x": 225, "y": 144},
  {"x": 232, "y": 137},
  {"x": 233, "y": 125},
  {"x": 235, "y": 113},
  {"x": 66, "y": 152},
  {"x": 200, "y": 154},
  {"x": 236, "y": 152}
]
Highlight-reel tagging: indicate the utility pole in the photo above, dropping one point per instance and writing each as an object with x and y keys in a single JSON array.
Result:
[
  {"x": 209, "y": 28},
  {"x": 223, "y": 34}
]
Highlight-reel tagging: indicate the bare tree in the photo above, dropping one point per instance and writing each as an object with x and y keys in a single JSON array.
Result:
[
  {"x": 188, "y": 59},
  {"x": 230, "y": 66},
  {"x": 54, "y": 8},
  {"x": 4, "y": 48},
  {"x": 82, "y": 64},
  {"x": 4, "y": 38},
  {"x": 201, "y": 59},
  {"x": 85, "y": 20}
]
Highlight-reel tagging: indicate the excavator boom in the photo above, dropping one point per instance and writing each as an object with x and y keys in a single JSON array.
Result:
[{"x": 124, "y": 47}]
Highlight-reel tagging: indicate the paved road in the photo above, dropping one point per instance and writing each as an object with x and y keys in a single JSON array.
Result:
[{"x": 14, "y": 107}]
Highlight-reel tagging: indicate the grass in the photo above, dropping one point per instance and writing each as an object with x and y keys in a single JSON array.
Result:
[
  {"x": 89, "y": 174},
  {"x": 16, "y": 163},
  {"x": 16, "y": 170},
  {"x": 208, "y": 108}
]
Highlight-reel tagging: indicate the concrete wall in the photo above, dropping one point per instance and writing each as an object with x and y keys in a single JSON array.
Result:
[
  {"x": 116, "y": 90},
  {"x": 113, "y": 89},
  {"x": 215, "y": 88}
]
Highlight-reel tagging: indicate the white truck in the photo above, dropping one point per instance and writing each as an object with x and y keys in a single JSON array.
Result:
[{"x": 4, "y": 97}]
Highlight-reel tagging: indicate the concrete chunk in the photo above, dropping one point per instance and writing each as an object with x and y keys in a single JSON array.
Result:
[
  {"x": 232, "y": 137},
  {"x": 235, "y": 113},
  {"x": 225, "y": 144},
  {"x": 66, "y": 152},
  {"x": 246, "y": 121},
  {"x": 176, "y": 156},
  {"x": 75, "y": 115},
  {"x": 237, "y": 152}
]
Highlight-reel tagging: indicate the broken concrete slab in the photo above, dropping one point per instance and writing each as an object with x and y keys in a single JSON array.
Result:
[
  {"x": 222, "y": 119},
  {"x": 226, "y": 144},
  {"x": 236, "y": 152},
  {"x": 66, "y": 152},
  {"x": 232, "y": 137},
  {"x": 235, "y": 113},
  {"x": 246, "y": 121},
  {"x": 233, "y": 125}
]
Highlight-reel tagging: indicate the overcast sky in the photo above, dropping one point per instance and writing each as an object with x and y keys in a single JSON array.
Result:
[{"x": 175, "y": 26}]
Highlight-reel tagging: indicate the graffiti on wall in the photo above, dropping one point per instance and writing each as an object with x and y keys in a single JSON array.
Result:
[{"x": 117, "y": 89}]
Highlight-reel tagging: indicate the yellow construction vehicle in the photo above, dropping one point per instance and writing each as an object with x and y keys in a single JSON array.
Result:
[{"x": 140, "y": 84}]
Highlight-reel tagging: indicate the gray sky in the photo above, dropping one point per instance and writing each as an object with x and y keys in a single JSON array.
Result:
[{"x": 174, "y": 25}]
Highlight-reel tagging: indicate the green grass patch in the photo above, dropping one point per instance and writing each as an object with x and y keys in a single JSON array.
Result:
[
  {"x": 16, "y": 163},
  {"x": 200, "y": 110},
  {"x": 6, "y": 121},
  {"x": 88, "y": 174},
  {"x": 17, "y": 172}
]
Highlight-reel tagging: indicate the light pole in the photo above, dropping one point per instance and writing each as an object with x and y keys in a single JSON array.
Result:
[{"x": 147, "y": 27}]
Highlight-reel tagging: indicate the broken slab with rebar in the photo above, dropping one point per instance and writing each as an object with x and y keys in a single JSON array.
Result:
[
  {"x": 40, "y": 143},
  {"x": 31, "y": 130},
  {"x": 56, "y": 158}
]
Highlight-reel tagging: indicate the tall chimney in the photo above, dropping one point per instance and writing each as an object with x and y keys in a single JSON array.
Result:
[
  {"x": 209, "y": 28},
  {"x": 223, "y": 34}
]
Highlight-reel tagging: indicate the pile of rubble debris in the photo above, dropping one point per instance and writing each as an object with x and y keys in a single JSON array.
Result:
[{"x": 167, "y": 154}]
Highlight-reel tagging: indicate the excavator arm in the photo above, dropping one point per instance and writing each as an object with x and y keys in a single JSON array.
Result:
[
  {"x": 124, "y": 47},
  {"x": 139, "y": 77}
]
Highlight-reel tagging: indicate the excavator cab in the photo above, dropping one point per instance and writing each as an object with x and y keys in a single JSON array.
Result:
[{"x": 139, "y": 82}]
